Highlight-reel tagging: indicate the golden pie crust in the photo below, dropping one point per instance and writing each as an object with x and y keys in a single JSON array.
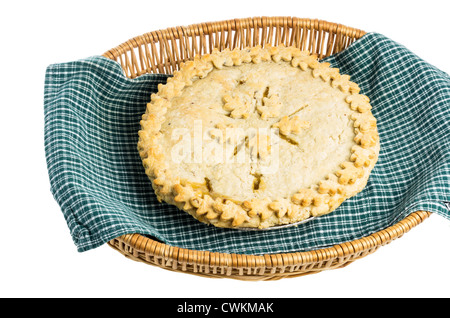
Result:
[{"x": 258, "y": 137}]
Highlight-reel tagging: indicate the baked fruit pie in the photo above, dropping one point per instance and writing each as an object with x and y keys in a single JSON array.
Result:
[{"x": 258, "y": 137}]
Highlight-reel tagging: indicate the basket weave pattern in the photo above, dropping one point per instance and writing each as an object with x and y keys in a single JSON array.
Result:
[{"x": 163, "y": 51}]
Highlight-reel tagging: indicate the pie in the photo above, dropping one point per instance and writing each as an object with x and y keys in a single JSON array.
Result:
[{"x": 258, "y": 137}]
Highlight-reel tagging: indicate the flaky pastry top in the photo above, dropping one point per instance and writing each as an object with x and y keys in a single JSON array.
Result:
[{"x": 258, "y": 137}]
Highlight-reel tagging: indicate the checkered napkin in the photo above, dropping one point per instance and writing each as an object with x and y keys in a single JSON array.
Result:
[{"x": 92, "y": 114}]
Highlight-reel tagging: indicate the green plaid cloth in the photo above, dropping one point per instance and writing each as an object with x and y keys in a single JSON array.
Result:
[{"x": 92, "y": 114}]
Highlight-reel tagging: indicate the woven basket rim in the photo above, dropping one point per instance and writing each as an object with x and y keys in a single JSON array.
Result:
[
  {"x": 260, "y": 267},
  {"x": 141, "y": 54}
]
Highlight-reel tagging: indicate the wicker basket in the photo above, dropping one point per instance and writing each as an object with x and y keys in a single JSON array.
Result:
[{"x": 163, "y": 51}]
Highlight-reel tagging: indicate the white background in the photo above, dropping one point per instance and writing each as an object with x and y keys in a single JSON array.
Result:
[{"x": 38, "y": 257}]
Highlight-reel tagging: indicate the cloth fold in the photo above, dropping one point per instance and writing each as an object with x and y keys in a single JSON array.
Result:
[{"x": 92, "y": 113}]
